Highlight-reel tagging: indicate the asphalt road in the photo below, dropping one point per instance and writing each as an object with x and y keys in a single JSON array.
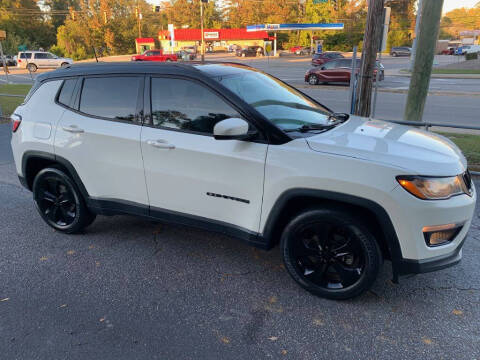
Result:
[{"x": 133, "y": 289}]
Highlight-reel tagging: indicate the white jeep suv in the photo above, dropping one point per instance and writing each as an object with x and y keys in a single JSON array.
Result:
[
  {"x": 33, "y": 60},
  {"x": 228, "y": 148}
]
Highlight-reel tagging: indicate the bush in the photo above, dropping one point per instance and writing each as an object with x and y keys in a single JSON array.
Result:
[{"x": 471, "y": 56}]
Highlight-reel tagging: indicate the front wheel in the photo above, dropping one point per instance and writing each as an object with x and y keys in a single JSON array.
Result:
[
  {"x": 32, "y": 67},
  {"x": 64, "y": 65},
  {"x": 313, "y": 80},
  {"x": 394, "y": 54},
  {"x": 59, "y": 202},
  {"x": 330, "y": 253}
]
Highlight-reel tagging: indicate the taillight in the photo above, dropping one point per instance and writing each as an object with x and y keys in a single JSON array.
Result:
[
  {"x": 16, "y": 120},
  {"x": 19, "y": 60}
]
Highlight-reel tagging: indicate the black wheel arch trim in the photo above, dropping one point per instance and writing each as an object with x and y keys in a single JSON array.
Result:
[
  {"x": 55, "y": 158},
  {"x": 383, "y": 219}
]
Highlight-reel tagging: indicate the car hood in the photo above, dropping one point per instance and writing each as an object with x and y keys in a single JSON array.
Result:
[{"x": 415, "y": 151}]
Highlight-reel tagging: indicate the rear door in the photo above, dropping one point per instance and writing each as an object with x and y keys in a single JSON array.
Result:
[
  {"x": 41, "y": 60},
  {"x": 190, "y": 173},
  {"x": 99, "y": 133},
  {"x": 330, "y": 72}
]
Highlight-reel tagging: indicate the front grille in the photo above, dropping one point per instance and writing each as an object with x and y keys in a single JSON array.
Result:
[{"x": 468, "y": 180}]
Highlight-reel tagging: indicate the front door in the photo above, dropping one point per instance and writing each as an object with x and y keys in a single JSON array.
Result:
[
  {"x": 190, "y": 173},
  {"x": 99, "y": 133}
]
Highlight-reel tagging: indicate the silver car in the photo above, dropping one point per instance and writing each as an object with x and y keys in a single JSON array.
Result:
[{"x": 33, "y": 60}]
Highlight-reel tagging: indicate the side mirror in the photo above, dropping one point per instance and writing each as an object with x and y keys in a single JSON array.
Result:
[{"x": 231, "y": 129}]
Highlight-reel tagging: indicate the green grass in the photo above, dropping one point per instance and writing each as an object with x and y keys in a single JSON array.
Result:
[
  {"x": 470, "y": 146},
  {"x": 456, "y": 71},
  {"x": 8, "y": 104}
]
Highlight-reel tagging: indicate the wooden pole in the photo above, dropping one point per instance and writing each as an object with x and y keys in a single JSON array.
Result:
[
  {"x": 423, "y": 62},
  {"x": 371, "y": 43}
]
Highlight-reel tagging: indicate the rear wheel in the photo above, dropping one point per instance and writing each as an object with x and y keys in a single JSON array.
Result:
[
  {"x": 394, "y": 54},
  {"x": 59, "y": 202},
  {"x": 243, "y": 55},
  {"x": 330, "y": 253},
  {"x": 313, "y": 80},
  {"x": 32, "y": 67},
  {"x": 64, "y": 65}
]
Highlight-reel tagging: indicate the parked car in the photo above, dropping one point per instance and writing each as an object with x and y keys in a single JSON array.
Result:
[
  {"x": 319, "y": 59},
  {"x": 449, "y": 51},
  {"x": 185, "y": 55},
  {"x": 9, "y": 61},
  {"x": 250, "y": 51},
  {"x": 400, "y": 51},
  {"x": 33, "y": 60},
  {"x": 293, "y": 49},
  {"x": 231, "y": 149},
  {"x": 154, "y": 55},
  {"x": 339, "y": 70},
  {"x": 470, "y": 49},
  {"x": 304, "y": 50}
]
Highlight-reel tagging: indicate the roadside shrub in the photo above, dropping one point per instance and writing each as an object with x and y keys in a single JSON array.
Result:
[{"x": 471, "y": 56}]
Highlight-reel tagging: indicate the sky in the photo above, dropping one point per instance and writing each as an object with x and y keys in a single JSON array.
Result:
[{"x": 454, "y": 4}]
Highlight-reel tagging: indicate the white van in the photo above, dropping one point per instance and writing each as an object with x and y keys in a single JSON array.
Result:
[{"x": 470, "y": 49}]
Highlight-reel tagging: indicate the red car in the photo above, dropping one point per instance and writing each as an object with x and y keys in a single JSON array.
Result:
[
  {"x": 295, "y": 48},
  {"x": 154, "y": 55},
  {"x": 320, "y": 59},
  {"x": 336, "y": 71}
]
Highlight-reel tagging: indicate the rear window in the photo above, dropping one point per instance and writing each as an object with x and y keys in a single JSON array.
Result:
[
  {"x": 110, "y": 97},
  {"x": 25, "y": 55},
  {"x": 65, "y": 96}
]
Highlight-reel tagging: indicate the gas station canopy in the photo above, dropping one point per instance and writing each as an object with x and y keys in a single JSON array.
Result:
[{"x": 286, "y": 27}]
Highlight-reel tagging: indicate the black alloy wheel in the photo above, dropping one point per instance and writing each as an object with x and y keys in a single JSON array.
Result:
[
  {"x": 313, "y": 80},
  {"x": 59, "y": 202},
  {"x": 330, "y": 254}
]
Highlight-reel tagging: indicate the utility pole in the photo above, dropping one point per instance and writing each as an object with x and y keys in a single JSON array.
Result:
[
  {"x": 423, "y": 62},
  {"x": 371, "y": 44},
  {"x": 201, "y": 27},
  {"x": 417, "y": 25}
]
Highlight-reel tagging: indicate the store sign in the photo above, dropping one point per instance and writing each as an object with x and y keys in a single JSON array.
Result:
[
  {"x": 272, "y": 26},
  {"x": 211, "y": 35}
]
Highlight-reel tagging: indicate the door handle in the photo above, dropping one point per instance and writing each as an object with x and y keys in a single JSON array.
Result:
[
  {"x": 73, "y": 129},
  {"x": 160, "y": 144}
]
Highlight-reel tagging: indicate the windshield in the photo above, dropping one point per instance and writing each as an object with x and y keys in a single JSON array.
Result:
[{"x": 281, "y": 104}]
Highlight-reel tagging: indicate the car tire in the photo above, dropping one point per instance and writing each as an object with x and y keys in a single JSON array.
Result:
[
  {"x": 243, "y": 54},
  {"x": 65, "y": 64},
  {"x": 59, "y": 202},
  {"x": 394, "y": 54},
  {"x": 313, "y": 80},
  {"x": 168, "y": 60},
  {"x": 330, "y": 253},
  {"x": 32, "y": 67}
]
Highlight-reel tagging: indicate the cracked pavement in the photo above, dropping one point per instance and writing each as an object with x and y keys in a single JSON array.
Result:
[{"x": 133, "y": 289}]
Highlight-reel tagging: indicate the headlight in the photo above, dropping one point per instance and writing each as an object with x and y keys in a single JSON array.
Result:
[{"x": 434, "y": 188}]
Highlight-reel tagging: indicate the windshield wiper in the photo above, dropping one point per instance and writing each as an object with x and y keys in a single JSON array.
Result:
[{"x": 312, "y": 127}]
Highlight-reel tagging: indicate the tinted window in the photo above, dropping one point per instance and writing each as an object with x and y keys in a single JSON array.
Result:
[
  {"x": 330, "y": 65},
  {"x": 40, "y": 56},
  {"x": 186, "y": 105},
  {"x": 66, "y": 92},
  {"x": 110, "y": 97},
  {"x": 281, "y": 104},
  {"x": 25, "y": 55}
]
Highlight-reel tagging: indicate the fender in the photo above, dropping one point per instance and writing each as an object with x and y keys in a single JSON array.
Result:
[
  {"x": 62, "y": 161},
  {"x": 382, "y": 217}
]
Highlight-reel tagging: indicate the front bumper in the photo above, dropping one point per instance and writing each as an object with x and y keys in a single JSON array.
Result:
[{"x": 406, "y": 266}]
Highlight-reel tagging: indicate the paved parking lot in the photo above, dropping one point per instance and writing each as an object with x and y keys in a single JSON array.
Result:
[{"x": 133, "y": 289}]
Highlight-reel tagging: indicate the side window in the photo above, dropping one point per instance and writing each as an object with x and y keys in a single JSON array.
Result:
[
  {"x": 25, "y": 55},
  {"x": 40, "y": 56},
  {"x": 65, "y": 96},
  {"x": 330, "y": 65},
  {"x": 110, "y": 97},
  {"x": 187, "y": 105}
]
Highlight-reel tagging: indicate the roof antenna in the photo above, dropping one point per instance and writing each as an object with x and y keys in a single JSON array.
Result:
[{"x": 95, "y": 53}]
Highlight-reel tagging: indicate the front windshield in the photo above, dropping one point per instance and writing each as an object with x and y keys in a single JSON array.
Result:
[{"x": 281, "y": 104}]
